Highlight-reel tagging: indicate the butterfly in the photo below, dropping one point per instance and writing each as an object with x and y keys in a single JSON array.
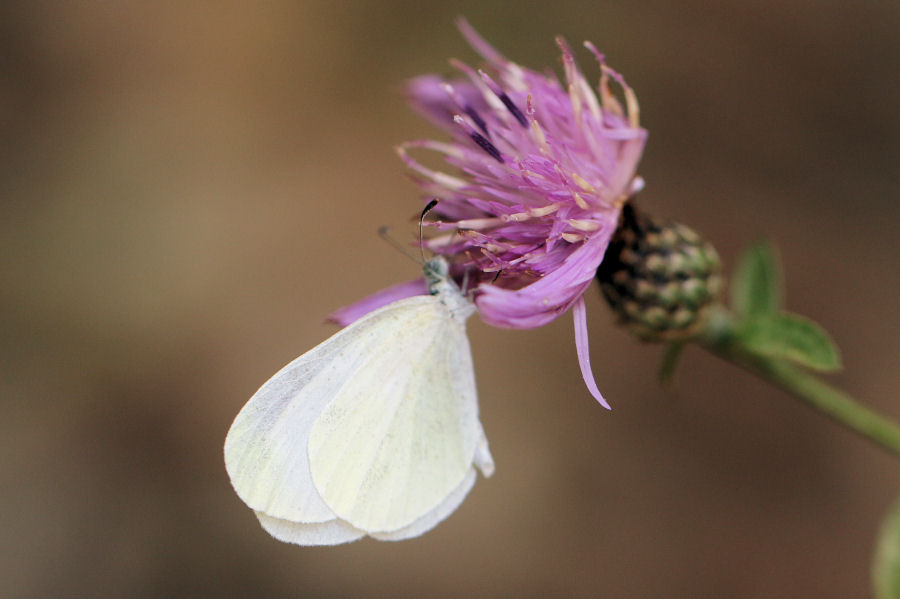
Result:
[{"x": 374, "y": 432}]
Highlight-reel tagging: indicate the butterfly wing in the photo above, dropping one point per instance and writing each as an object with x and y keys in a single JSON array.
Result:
[
  {"x": 394, "y": 394},
  {"x": 400, "y": 435}
]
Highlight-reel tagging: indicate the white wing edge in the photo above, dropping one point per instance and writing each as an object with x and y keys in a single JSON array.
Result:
[{"x": 332, "y": 532}]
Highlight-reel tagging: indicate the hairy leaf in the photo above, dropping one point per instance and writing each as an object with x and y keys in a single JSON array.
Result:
[
  {"x": 756, "y": 286},
  {"x": 792, "y": 337}
]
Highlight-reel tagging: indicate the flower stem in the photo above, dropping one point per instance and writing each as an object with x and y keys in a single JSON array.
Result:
[{"x": 720, "y": 339}]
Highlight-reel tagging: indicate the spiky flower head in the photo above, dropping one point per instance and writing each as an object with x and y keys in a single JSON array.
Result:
[{"x": 544, "y": 168}]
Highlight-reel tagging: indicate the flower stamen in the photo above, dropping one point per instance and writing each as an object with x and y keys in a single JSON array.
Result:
[
  {"x": 584, "y": 225},
  {"x": 504, "y": 98},
  {"x": 479, "y": 139}
]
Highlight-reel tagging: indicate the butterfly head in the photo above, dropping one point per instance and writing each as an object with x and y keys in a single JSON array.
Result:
[
  {"x": 440, "y": 284},
  {"x": 437, "y": 271}
]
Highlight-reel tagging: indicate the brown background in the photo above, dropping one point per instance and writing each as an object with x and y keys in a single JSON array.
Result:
[{"x": 188, "y": 188}]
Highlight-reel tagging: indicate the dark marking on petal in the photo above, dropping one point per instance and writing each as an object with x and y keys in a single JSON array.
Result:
[
  {"x": 476, "y": 118},
  {"x": 507, "y": 101},
  {"x": 487, "y": 146}
]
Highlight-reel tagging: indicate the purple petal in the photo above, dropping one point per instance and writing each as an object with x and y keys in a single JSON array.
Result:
[
  {"x": 348, "y": 314},
  {"x": 429, "y": 96},
  {"x": 480, "y": 44},
  {"x": 516, "y": 310},
  {"x": 540, "y": 302},
  {"x": 582, "y": 348}
]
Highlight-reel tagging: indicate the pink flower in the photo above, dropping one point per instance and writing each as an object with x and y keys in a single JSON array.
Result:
[{"x": 543, "y": 169}]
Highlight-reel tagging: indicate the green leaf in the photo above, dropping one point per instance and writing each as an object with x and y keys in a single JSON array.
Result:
[
  {"x": 670, "y": 362},
  {"x": 886, "y": 565},
  {"x": 756, "y": 285},
  {"x": 791, "y": 337}
]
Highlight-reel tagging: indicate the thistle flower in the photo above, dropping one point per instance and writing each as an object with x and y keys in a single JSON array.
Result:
[{"x": 545, "y": 168}]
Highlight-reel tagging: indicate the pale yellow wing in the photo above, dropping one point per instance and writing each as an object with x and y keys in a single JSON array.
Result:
[{"x": 400, "y": 435}]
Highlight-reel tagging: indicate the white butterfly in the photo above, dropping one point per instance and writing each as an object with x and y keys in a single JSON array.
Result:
[{"x": 373, "y": 432}]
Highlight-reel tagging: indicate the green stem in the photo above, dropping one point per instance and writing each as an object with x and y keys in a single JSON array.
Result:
[{"x": 719, "y": 339}]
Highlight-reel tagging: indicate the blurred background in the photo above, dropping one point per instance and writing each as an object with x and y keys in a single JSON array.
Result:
[{"x": 187, "y": 189}]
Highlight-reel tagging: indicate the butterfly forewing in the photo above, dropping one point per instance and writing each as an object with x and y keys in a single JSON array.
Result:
[{"x": 265, "y": 453}]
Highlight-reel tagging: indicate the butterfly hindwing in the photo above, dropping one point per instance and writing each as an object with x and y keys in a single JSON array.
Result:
[
  {"x": 400, "y": 435},
  {"x": 333, "y": 532}
]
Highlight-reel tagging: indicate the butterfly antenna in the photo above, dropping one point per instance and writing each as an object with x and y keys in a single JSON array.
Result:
[
  {"x": 383, "y": 233},
  {"x": 426, "y": 210}
]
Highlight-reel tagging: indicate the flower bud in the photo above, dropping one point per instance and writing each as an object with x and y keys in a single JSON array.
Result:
[{"x": 659, "y": 276}]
